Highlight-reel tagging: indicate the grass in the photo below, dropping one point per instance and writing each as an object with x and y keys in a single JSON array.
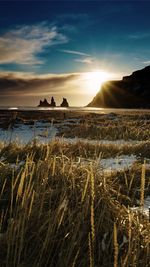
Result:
[
  {"x": 11, "y": 152},
  {"x": 110, "y": 128},
  {"x": 109, "y": 132},
  {"x": 58, "y": 208},
  {"x": 58, "y": 212}
]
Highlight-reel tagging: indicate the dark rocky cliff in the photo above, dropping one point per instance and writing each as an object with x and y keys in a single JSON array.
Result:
[{"x": 131, "y": 92}]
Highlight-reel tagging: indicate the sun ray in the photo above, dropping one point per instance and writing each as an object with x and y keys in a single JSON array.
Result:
[{"x": 94, "y": 80}]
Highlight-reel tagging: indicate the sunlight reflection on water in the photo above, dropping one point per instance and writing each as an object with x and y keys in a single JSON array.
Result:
[{"x": 82, "y": 109}]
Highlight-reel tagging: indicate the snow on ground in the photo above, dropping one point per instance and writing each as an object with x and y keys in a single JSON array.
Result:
[
  {"x": 109, "y": 165},
  {"x": 118, "y": 163},
  {"x": 147, "y": 203},
  {"x": 145, "y": 209},
  {"x": 43, "y": 132},
  {"x": 102, "y": 141}
]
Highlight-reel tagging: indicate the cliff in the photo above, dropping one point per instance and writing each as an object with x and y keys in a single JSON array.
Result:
[{"x": 131, "y": 92}]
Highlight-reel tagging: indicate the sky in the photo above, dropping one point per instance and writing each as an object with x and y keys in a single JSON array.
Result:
[{"x": 67, "y": 48}]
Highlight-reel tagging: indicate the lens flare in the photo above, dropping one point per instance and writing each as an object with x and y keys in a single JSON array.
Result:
[{"x": 94, "y": 80}]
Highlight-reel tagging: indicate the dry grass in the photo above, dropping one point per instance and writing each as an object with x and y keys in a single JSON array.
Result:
[
  {"x": 110, "y": 127},
  {"x": 58, "y": 207},
  {"x": 57, "y": 212},
  {"x": 113, "y": 126},
  {"x": 12, "y": 152},
  {"x": 111, "y": 131}
]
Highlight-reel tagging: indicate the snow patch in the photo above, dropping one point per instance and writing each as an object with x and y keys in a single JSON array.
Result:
[
  {"x": 145, "y": 209},
  {"x": 40, "y": 131},
  {"x": 117, "y": 164},
  {"x": 101, "y": 142},
  {"x": 147, "y": 205}
]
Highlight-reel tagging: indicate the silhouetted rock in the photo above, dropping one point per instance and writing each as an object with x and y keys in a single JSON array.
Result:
[
  {"x": 53, "y": 103},
  {"x": 41, "y": 103},
  {"x": 44, "y": 103},
  {"x": 64, "y": 103},
  {"x": 131, "y": 92}
]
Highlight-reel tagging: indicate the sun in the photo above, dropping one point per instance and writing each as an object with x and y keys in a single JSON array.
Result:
[{"x": 94, "y": 80}]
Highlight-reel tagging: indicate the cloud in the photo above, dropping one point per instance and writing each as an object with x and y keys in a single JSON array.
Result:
[
  {"x": 84, "y": 57},
  {"x": 74, "y": 52},
  {"x": 86, "y": 60},
  {"x": 146, "y": 62},
  {"x": 22, "y": 44},
  {"x": 29, "y": 84},
  {"x": 20, "y": 88},
  {"x": 139, "y": 35}
]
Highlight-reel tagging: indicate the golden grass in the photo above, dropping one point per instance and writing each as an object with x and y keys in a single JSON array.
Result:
[
  {"x": 12, "y": 152},
  {"x": 116, "y": 250},
  {"x": 58, "y": 211},
  {"x": 124, "y": 127}
]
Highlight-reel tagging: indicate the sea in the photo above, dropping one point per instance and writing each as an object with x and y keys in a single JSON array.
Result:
[{"x": 77, "y": 109}]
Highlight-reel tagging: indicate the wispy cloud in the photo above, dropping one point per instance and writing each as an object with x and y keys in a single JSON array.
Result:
[
  {"x": 84, "y": 57},
  {"x": 22, "y": 44},
  {"x": 146, "y": 62},
  {"x": 86, "y": 60},
  {"x": 74, "y": 52},
  {"x": 139, "y": 35}
]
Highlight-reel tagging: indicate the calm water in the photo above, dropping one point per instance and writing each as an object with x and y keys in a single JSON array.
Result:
[{"x": 83, "y": 109}]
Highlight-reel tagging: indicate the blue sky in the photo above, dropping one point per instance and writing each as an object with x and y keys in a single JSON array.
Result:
[{"x": 47, "y": 41}]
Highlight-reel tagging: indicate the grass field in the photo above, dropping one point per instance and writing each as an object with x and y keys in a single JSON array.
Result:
[{"x": 64, "y": 204}]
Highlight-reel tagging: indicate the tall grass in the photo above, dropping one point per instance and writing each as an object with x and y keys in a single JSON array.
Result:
[
  {"x": 60, "y": 212},
  {"x": 103, "y": 128}
]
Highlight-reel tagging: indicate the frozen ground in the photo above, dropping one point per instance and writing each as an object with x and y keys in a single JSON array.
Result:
[
  {"x": 104, "y": 142},
  {"x": 147, "y": 205},
  {"x": 145, "y": 209},
  {"x": 109, "y": 165},
  {"x": 117, "y": 164},
  {"x": 44, "y": 132},
  {"x": 22, "y": 133}
]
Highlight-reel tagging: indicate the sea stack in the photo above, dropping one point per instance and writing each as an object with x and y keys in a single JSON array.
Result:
[
  {"x": 53, "y": 103},
  {"x": 64, "y": 103},
  {"x": 45, "y": 103}
]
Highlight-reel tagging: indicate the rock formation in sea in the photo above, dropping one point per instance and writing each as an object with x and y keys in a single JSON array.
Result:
[
  {"x": 64, "y": 103},
  {"x": 131, "y": 92},
  {"x": 53, "y": 103},
  {"x": 45, "y": 103}
]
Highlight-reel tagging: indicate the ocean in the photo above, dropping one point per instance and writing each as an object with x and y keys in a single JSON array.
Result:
[{"x": 79, "y": 109}]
